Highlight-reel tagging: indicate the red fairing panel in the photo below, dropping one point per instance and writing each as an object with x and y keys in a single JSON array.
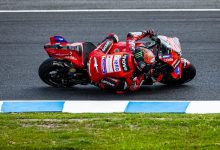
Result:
[
  {"x": 117, "y": 65},
  {"x": 68, "y": 52}
]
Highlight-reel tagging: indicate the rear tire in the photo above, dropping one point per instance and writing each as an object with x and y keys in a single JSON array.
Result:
[
  {"x": 187, "y": 75},
  {"x": 54, "y": 72}
]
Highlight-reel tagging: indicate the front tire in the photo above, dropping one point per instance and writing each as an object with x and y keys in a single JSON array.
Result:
[
  {"x": 187, "y": 75},
  {"x": 54, "y": 72}
]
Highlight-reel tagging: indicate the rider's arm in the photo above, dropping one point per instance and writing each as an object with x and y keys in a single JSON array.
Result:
[
  {"x": 107, "y": 43},
  {"x": 110, "y": 83},
  {"x": 132, "y": 84},
  {"x": 135, "y": 36},
  {"x": 105, "y": 46}
]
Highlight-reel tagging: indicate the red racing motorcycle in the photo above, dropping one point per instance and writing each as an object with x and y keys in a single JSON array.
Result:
[{"x": 67, "y": 65}]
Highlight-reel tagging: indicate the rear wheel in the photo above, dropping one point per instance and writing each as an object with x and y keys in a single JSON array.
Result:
[
  {"x": 54, "y": 72},
  {"x": 187, "y": 75}
]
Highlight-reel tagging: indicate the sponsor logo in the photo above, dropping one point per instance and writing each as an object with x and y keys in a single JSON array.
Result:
[
  {"x": 131, "y": 44},
  {"x": 103, "y": 64},
  {"x": 124, "y": 62},
  {"x": 177, "y": 70},
  {"x": 106, "y": 46},
  {"x": 108, "y": 83},
  {"x": 109, "y": 67},
  {"x": 95, "y": 64},
  {"x": 116, "y": 63},
  {"x": 168, "y": 59},
  {"x": 70, "y": 57},
  {"x": 166, "y": 56}
]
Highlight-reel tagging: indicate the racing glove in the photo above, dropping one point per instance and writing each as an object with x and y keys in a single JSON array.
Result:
[
  {"x": 137, "y": 82},
  {"x": 149, "y": 33}
]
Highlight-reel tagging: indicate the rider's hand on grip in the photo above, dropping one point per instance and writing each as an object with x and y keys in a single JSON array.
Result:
[
  {"x": 137, "y": 81},
  {"x": 150, "y": 33}
]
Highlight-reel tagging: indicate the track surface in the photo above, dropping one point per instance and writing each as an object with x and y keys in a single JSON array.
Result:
[
  {"x": 24, "y": 34},
  {"x": 103, "y": 4}
]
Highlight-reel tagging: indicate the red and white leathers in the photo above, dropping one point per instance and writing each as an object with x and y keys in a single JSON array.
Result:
[
  {"x": 115, "y": 71},
  {"x": 132, "y": 37}
]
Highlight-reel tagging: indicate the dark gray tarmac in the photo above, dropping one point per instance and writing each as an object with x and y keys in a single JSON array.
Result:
[
  {"x": 24, "y": 34},
  {"x": 107, "y": 4}
]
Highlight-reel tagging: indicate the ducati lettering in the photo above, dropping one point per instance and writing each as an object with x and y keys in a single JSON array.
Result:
[
  {"x": 124, "y": 62},
  {"x": 103, "y": 64},
  {"x": 106, "y": 46},
  {"x": 116, "y": 63}
]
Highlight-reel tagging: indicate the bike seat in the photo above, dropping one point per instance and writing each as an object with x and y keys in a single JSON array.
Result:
[{"x": 87, "y": 48}]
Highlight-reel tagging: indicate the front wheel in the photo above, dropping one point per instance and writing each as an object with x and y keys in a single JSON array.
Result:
[
  {"x": 54, "y": 72},
  {"x": 187, "y": 75}
]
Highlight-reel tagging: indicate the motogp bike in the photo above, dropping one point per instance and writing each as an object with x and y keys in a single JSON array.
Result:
[{"x": 67, "y": 62}]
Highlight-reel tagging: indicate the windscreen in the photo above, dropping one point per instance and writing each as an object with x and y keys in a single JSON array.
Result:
[{"x": 172, "y": 43}]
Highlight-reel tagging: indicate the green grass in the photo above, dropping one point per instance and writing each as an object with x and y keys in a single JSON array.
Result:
[{"x": 109, "y": 131}]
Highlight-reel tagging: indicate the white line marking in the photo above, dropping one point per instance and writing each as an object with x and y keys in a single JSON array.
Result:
[
  {"x": 94, "y": 106},
  {"x": 203, "y": 107},
  {"x": 108, "y": 10}
]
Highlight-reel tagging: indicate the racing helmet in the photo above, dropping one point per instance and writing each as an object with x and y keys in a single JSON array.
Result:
[
  {"x": 145, "y": 59},
  {"x": 148, "y": 55}
]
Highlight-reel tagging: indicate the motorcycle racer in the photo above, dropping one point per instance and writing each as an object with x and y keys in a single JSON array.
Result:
[{"x": 106, "y": 76}]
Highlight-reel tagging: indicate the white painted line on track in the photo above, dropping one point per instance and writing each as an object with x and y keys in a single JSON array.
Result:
[{"x": 109, "y": 10}]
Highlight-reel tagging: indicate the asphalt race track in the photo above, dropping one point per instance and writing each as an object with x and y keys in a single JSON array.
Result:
[{"x": 24, "y": 34}]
